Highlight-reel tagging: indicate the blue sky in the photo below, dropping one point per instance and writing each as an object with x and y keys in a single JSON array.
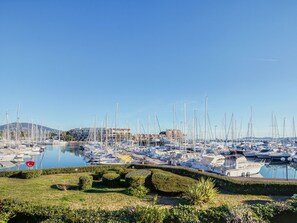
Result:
[{"x": 65, "y": 62}]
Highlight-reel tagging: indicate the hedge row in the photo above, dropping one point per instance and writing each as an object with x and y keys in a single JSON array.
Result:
[
  {"x": 138, "y": 178},
  {"x": 85, "y": 182},
  {"x": 170, "y": 183},
  {"x": 13, "y": 212},
  {"x": 246, "y": 186},
  {"x": 257, "y": 187},
  {"x": 52, "y": 171},
  {"x": 111, "y": 179}
]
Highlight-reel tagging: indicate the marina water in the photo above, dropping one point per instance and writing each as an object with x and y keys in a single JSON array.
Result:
[{"x": 57, "y": 156}]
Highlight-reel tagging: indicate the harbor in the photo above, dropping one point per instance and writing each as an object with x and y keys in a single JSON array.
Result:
[{"x": 57, "y": 156}]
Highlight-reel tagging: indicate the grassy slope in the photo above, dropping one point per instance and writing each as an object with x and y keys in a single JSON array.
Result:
[{"x": 42, "y": 190}]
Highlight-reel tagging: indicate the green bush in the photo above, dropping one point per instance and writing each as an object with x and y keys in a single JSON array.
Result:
[
  {"x": 66, "y": 170},
  {"x": 150, "y": 214},
  {"x": 171, "y": 183},
  {"x": 243, "y": 214},
  {"x": 139, "y": 192},
  {"x": 29, "y": 174},
  {"x": 202, "y": 192},
  {"x": 138, "y": 178},
  {"x": 111, "y": 179},
  {"x": 183, "y": 214},
  {"x": 252, "y": 186},
  {"x": 85, "y": 182},
  {"x": 12, "y": 211}
]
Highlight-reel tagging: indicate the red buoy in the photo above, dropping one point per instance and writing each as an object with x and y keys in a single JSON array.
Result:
[{"x": 30, "y": 163}]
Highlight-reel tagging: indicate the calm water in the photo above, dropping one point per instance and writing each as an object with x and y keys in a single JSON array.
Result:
[
  {"x": 56, "y": 156},
  {"x": 66, "y": 156}
]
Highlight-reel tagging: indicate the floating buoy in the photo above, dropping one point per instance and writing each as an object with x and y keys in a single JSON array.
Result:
[{"x": 30, "y": 163}]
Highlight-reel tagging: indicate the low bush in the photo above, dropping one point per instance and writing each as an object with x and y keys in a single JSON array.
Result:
[
  {"x": 139, "y": 192},
  {"x": 138, "y": 178},
  {"x": 111, "y": 179},
  {"x": 202, "y": 192},
  {"x": 85, "y": 182},
  {"x": 66, "y": 170},
  {"x": 29, "y": 174},
  {"x": 150, "y": 214},
  {"x": 171, "y": 183},
  {"x": 183, "y": 214},
  {"x": 12, "y": 211},
  {"x": 119, "y": 170},
  {"x": 252, "y": 186}
]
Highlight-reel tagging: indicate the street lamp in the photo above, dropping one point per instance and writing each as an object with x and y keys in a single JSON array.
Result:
[{"x": 283, "y": 159}]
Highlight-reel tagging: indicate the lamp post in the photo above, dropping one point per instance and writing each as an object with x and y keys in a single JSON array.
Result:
[{"x": 289, "y": 159}]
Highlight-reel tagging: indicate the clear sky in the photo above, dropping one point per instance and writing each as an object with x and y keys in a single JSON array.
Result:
[{"x": 65, "y": 62}]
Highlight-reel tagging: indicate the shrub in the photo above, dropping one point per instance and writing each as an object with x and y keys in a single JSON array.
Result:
[
  {"x": 139, "y": 192},
  {"x": 111, "y": 179},
  {"x": 29, "y": 174},
  {"x": 150, "y": 214},
  {"x": 256, "y": 187},
  {"x": 170, "y": 183},
  {"x": 85, "y": 182},
  {"x": 242, "y": 214},
  {"x": 138, "y": 178},
  {"x": 183, "y": 214},
  {"x": 202, "y": 192}
]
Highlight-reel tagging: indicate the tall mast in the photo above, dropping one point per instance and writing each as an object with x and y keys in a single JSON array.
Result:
[
  {"x": 205, "y": 124},
  {"x": 284, "y": 131},
  {"x": 185, "y": 122},
  {"x": 272, "y": 128},
  {"x": 294, "y": 130},
  {"x": 106, "y": 130},
  {"x": 7, "y": 128},
  {"x": 173, "y": 121}
]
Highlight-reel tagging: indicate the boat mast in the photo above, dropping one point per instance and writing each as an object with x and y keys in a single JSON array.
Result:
[
  {"x": 205, "y": 124},
  {"x": 106, "y": 130},
  {"x": 7, "y": 129}
]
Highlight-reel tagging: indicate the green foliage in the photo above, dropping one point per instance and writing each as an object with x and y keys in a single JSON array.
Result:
[
  {"x": 12, "y": 211},
  {"x": 255, "y": 187},
  {"x": 150, "y": 214},
  {"x": 85, "y": 182},
  {"x": 52, "y": 171},
  {"x": 139, "y": 192},
  {"x": 119, "y": 170},
  {"x": 202, "y": 192},
  {"x": 243, "y": 214},
  {"x": 215, "y": 214},
  {"x": 138, "y": 178},
  {"x": 111, "y": 179},
  {"x": 293, "y": 201},
  {"x": 170, "y": 183},
  {"x": 29, "y": 174},
  {"x": 183, "y": 214}
]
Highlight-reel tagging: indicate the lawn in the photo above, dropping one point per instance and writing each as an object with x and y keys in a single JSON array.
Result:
[{"x": 43, "y": 191}]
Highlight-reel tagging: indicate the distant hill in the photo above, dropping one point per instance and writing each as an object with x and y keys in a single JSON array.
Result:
[{"x": 24, "y": 127}]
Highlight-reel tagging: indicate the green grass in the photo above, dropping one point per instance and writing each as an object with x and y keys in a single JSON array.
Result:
[{"x": 43, "y": 191}]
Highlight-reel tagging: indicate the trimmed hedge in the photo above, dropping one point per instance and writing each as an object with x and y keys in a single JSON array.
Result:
[
  {"x": 29, "y": 174},
  {"x": 85, "y": 182},
  {"x": 119, "y": 170},
  {"x": 246, "y": 186},
  {"x": 236, "y": 185},
  {"x": 66, "y": 170},
  {"x": 111, "y": 179},
  {"x": 26, "y": 212},
  {"x": 139, "y": 178},
  {"x": 171, "y": 183}
]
